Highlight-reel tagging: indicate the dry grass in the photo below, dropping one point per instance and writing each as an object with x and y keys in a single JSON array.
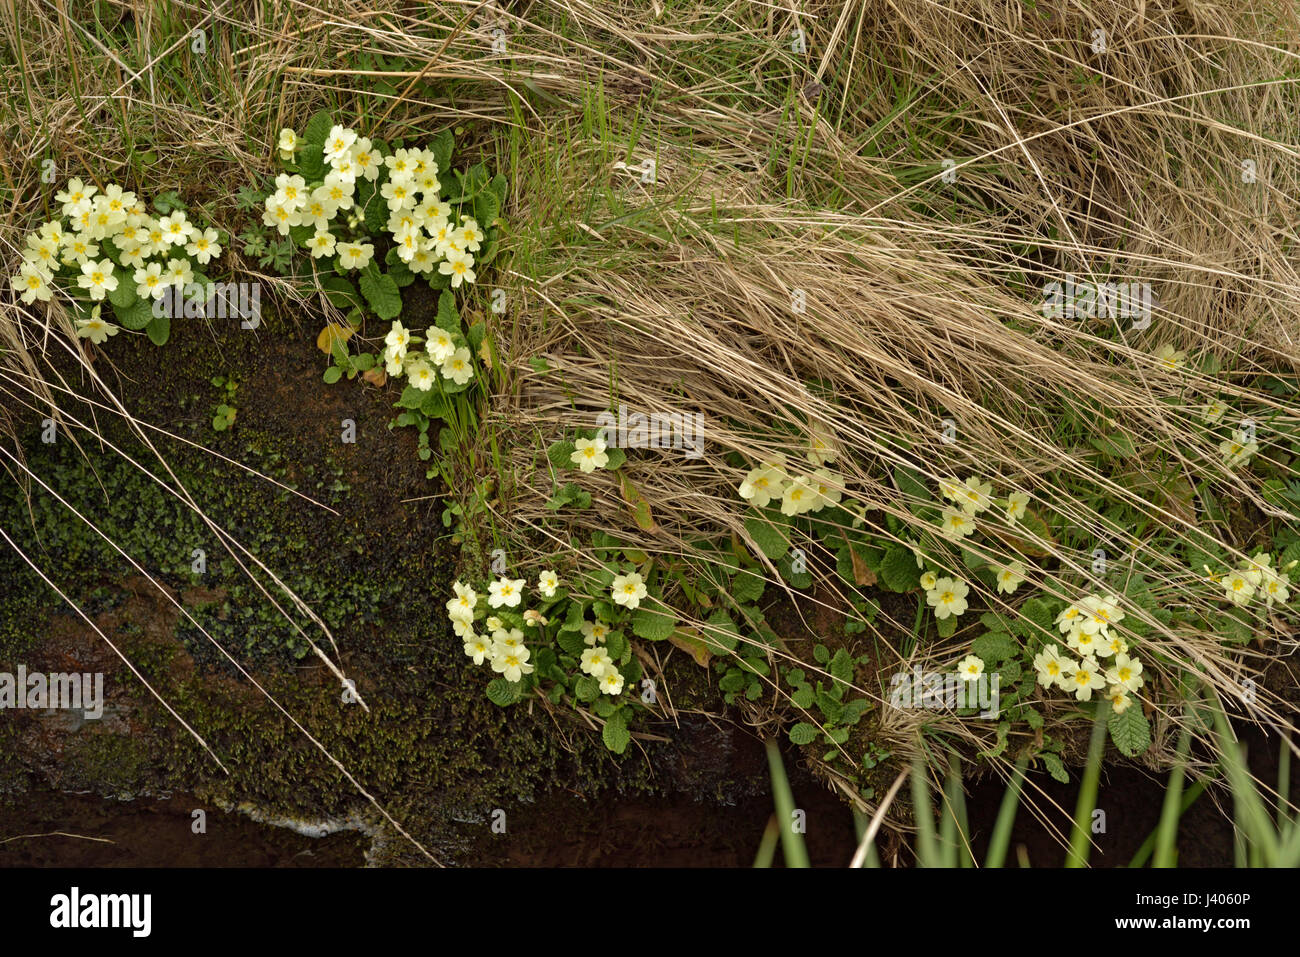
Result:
[{"x": 777, "y": 170}]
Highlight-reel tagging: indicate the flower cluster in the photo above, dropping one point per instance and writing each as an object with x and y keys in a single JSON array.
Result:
[
  {"x": 1256, "y": 578},
  {"x": 110, "y": 238},
  {"x": 1086, "y": 626},
  {"x": 504, "y": 648},
  {"x": 773, "y": 480},
  {"x": 444, "y": 352},
  {"x": 419, "y": 221},
  {"x": 975, "y": 496}
]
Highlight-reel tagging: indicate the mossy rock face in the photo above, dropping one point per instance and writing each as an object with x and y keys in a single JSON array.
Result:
[{"x": 373, "y": 564}]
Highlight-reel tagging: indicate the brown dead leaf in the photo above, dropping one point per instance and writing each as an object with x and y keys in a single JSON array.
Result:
[
  {"x": 861, "y": 573},
  {"x": 692, "y": 642},
  {"x": 331, "y": 335},
  {"x": 375, "y": 375}
]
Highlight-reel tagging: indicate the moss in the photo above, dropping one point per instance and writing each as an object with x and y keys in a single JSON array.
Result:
[{"x": 433, "y": 750}]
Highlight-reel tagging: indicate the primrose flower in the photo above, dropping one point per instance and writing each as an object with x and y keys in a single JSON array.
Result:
[
  {"x": 1127, "y": 673},
  {"x": 594, "y": 632},
  {"x": 1017, "y": 504},
  {"x": 828, "y": 486},
  {"x": 1112, "y": 645},
  {"x": 762, "y": 484},
  {"x": 150, "y": 282},
  {"x": 929, "y": 580},
  {"x": 1010, "y": 577},
  {"x": 1050, "y": 666},
  {"x": 458, "y": 367},
  {"x": 464, "y": 629},
  {"x": 1084, "y": 642},
  {"x": 1100, "y": 613},
  {"x": 469, "y": 234},
  {"x": 338, "y": 143},
  {"x": 1213, "y": 412},
  {"x": 176, "y": 229},
  {"x": 970, "y": 667},
  {"x": 589, "y": 454},
  {"x": 355, "y": 255},
  {"x": 512, "y": 665},
  {"x": 1119, "y": 699},
  {"x": 511, "y": 640},
  {"x": 947, "y": 598},
  {"x": 31, "y": 283},
  {"x": 1170, "y": 358},
  {"x": 547, "y": 583},
  {"x": 1275, "y": 588},
  {"x": 321, "y": 243},
  {"x": 628, "y": 590},
  {"x": 365, "y": 159},
  {"x": 975, "y": 496},
  {"x": 179, "y": 273},
  {"x": 95, "y": 329},
  {"x": 288, "y": 145},
  {"x": 74, "y": 195},
  {"x": 98, "y": 278},
  {"x": 1083, "y": 679},
  {"x": 77, "y": 248},
  {"x": 280, "y": 215},
  {"x": 505, "y": 591},
  {"x": 612, "y": 682},
  {"x": 1239, "y": 587},
  {"x": 955, "y": 524},
  {"x": 462, "y": 606},
  {"x": 458, "y": 267},
  {"x": 421, "y": 375},
  {"x": 822, "y": 449},
  {"x": 493, "y": 623},
  {"x": 399, "y": 193},
  {"x": 799, "y": 496},
  {"x": 595, "y": 661},
  {"x": 1069, "y": 619},
  {"x": 335, "y": 191},
  {"x": 203, "y": 246},
  {"x": 534, "y": 618},
  {"x": 1236, "y": 450},
  {"x": 438, "y": 343},
  {"x": 478, "y": 648}
]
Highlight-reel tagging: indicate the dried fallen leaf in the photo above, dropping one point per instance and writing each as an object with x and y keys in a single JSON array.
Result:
[
  {"x": 375, "y": 375},
  {"x": 691, "y": 642},
  {"x": 333, "y": 334}
]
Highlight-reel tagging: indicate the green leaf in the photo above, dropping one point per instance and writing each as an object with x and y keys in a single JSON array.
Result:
[
  {"x": 994, "y": 646},
  {"x": 504, "y": 693},
  {"x": 124, "y": 296},
  {"x": 770, "y": 539},
  {"x": 821, "y": 654},
  {"x": 721, "y": 635},
  {"x": 1116, "y": 446},
  {"x": 560, "y": 454},
  {"x": 912, "y": 488},
  {"x": 803, "y": 733},
  {"x": 616, "y": 644},
  {"x": 747, "y": 587},
  {"x": 441, "y": 147},
  {"x": 803, "y": 697},
  {"x": 653, "y": 625},
  {"x": 381, "y": 292},
  {"x": 898, "y": 571},
  {"x": 159, "y": 330},
  {"x": 1054, "y": 767},
  {"x": 448, "y": 318},
  {"x": 947, "y": 627},
  {"x": 841, "y": 666},
  {"x": 615, "y": 733},
  {"x": 332, "y": 374},
  {"x": 137, "y": 315},
  {"x": 486, "y": 208},
  {"x": 340, "y": 292},
  {"x": 572, "y": 642},
  {"x": 318, "y": 127},
  {"x": 1130, "y": 730},
  {"x": 586, "y": 688}
]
